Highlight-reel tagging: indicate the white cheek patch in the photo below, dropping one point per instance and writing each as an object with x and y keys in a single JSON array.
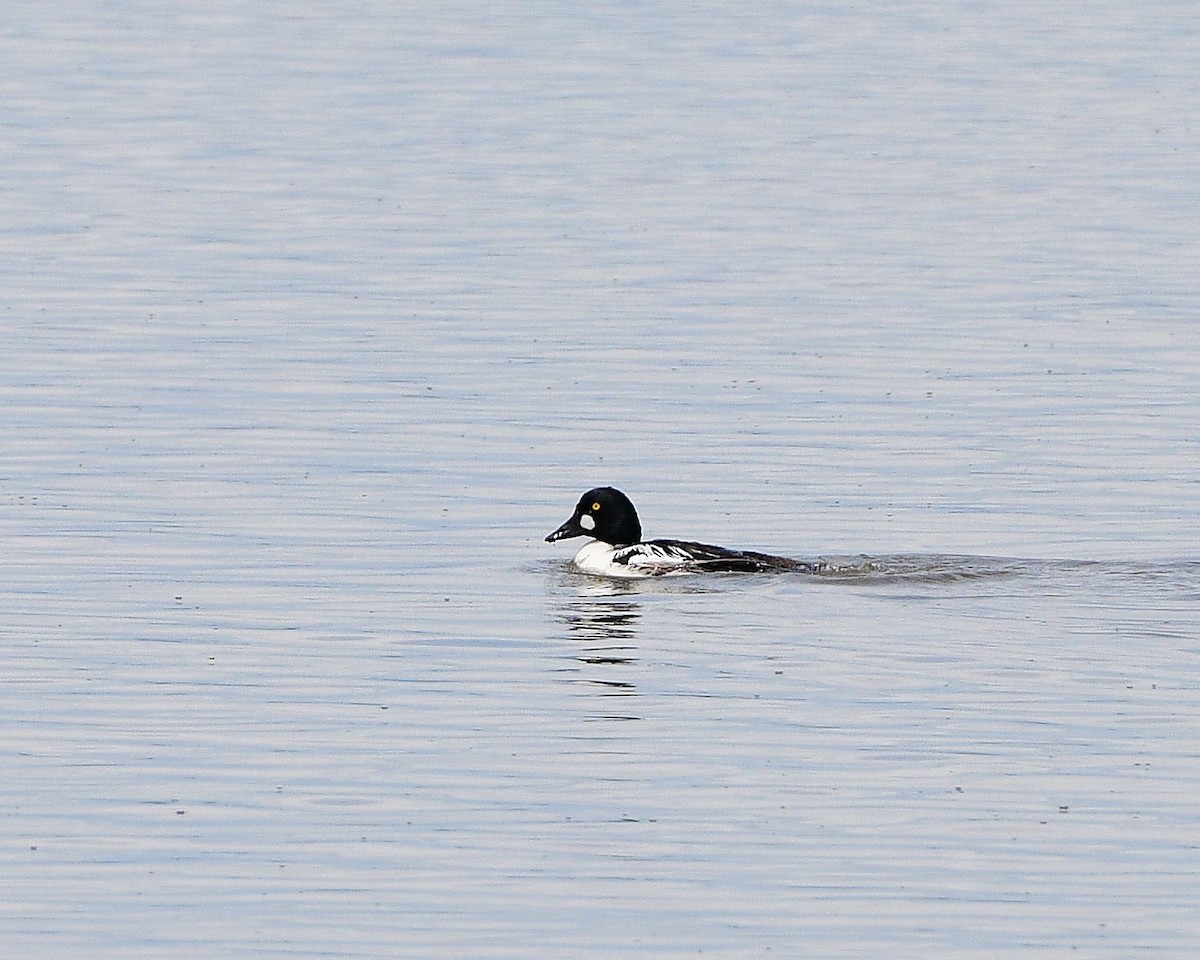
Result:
[{"x": 587, "y": 521}]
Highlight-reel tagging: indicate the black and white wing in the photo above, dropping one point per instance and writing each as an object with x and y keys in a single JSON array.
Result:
[{"x": 663, "y": 557}]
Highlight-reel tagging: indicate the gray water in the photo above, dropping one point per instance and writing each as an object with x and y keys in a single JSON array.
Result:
[{"x": 317, "y": 319}]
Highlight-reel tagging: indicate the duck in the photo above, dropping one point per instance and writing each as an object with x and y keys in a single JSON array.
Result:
[{"x": 617, "y": 549}]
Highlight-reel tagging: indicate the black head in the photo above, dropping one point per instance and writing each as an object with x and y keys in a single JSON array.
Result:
[{"x": 604, "y": 513}]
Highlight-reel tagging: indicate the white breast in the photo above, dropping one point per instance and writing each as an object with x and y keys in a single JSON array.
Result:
[{"x": 635, "y": 562}]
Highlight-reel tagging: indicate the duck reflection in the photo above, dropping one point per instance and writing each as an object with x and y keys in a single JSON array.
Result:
[{"x": 600, "y": 621}]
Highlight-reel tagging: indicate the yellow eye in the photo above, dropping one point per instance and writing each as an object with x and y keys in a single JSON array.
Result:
[{"x": 595, "y": 507}]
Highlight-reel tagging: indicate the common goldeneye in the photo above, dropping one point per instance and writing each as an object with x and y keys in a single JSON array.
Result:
[{"x": 617, "y": 548}]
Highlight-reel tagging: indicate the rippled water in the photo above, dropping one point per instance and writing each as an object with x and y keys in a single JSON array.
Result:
[{"x": 317, "y": 321}]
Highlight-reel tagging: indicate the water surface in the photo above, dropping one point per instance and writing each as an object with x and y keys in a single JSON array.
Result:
[{"x": 317, "y": 321}]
